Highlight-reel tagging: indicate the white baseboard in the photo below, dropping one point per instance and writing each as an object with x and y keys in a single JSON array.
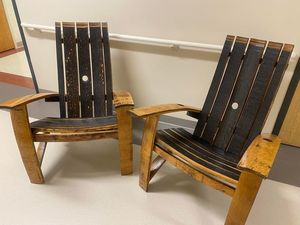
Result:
[{"x": 19, "y": 44}]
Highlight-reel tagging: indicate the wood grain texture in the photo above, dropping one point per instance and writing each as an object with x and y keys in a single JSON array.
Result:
[
  {"x": 260, "y": 155},
  {"x": 290, "y": 129},
  {"x": 55, "y": 98},
  {"x": 71, "y": 70},
  {"x": 156, "y": 164},
  {"x": 225, "y": 89},
  {"x": 125, "y": 139},
  {"x": 255, "y": 97},
  {"x": 243, "y": 199},
  {"x": 214, "y": 87},
  {"x": 40, "y": 152},
  {"x": 60, "y": 70},
  {"x": 257, "y": 78},
  {"x": 76, "y": 123},
  {"x": 6, "y": 40},
  {"x": 108, "y": 75},
  {"x": 197, "y": 175},
  {"x": 83, "y": 129},
  {"x": 162, "y": 109},
  {"x": 76, "y": 136},
  {"x": 240, "y": 92},
  {"x": 291, "y": 91},
  {"x": 122, "y": 98},
  {"x": 179, "y": 141},
  {"x": 24, "y": 100},
  {"x": 86, "y": 102},
  {"x": 273, "y": 86},
  {"x": 194, "y": 163},
  {"x": 98, "y": 69},
  {"x": 20, "y": 123},
  {"x": 146, "y": 150},
  {"x": 58, "y": 125}
]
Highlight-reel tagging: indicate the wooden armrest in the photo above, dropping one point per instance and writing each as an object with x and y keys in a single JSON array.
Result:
[
  {"x": 260, "y": 155},
  {"x": 25, "y": 100},
  {"x": 122, "y": 98},
  {"x": 162, "y": 109}
]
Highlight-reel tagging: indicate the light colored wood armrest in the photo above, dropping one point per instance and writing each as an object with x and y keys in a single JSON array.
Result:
[
  {"x": 25, "y": 100},
  {"x": 260, "y": 155},
  {"x": 122, "y": 98},
  {"x": 162, "y": 109}
]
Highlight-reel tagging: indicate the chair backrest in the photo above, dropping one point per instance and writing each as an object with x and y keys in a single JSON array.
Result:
[
  {"x": 245, "y": 83},
  {"x": 84, "y": 70}
]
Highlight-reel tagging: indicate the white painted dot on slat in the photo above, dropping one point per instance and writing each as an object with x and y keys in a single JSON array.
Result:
[
  {"x": 234, "y": 105},
  {"x": 85, "y": 78}
]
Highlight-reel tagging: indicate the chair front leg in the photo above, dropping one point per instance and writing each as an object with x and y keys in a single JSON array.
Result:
[
  {"x": 21, "y": 126},
  {"x": 146, "y": 150},
  {"x": 243, "y": 198},
  {"x": 125, "y": 139}
]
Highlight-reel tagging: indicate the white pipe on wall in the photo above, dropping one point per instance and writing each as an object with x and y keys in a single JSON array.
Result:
[
  {"x": 138, "y": 39},
  {"x": 145, "y": 40}
]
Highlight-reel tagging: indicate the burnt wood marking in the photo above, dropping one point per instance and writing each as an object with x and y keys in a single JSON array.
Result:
[
  {"x": 225, "y": 90},
  {"x": 71, "y": 70},
  {"x": 108, "y": 75},
  {"x": 98, "y": 69},
  {"x": 60, "y": 70},
  {"x": 270, "y": 94},
  {"x": 240, "y": 92},
  {"x": 213, "y": 90},
  {"x": 255, "y": 97},
  {"x": 84, "y": 70}
]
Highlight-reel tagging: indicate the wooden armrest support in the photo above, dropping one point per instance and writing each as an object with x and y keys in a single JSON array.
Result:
[
  {"x": 193, "y": 114},
  {"x": 260, "y": 155},
  {"x": 54, "y": 98},
  {"x": 162, "y": 109},
  {"x": 122, "y": 98},
  {"x": 25, "y": 100}
]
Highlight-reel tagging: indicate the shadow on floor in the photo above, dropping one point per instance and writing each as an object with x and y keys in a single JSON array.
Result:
[{"x": 286, "y": 168}]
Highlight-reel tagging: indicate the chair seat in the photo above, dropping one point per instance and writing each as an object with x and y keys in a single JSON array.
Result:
[
  {"x": 74, "y": 125},
  {"x": 184, "y": 145}
]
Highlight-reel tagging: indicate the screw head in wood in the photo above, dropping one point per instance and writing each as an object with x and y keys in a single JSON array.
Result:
[
  {"x": 85, "y": 78},
  {"x": 234, "y": 105}
]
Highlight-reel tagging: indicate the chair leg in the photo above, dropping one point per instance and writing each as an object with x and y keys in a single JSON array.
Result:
[
  {"x": 21, "y": 126},
  {"x": 125, "y": 139},
  {"x": 146, "y": 151},
  {"x": 41, "y": 151},
  {"x": 243, "y": 198}
]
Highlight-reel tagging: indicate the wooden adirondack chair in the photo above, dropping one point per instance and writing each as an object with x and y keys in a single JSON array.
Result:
[
  {"x": 87, "y": 102},
  {"x": 226, "y": 150}
]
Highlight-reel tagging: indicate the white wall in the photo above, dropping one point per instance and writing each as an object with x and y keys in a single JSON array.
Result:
[
  {"x": 157, "y": 74},
  {"x": 10, "y": 15}
]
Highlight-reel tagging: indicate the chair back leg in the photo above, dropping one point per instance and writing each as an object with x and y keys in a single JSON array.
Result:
[
  {"x": 146, "y": 150},
  {"x": 243, "y": 198},
  {"x": 125, "y": 139},
  {"x": 21, "y": 126}
]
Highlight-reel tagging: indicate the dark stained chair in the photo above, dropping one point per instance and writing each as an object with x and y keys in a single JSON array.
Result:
[
  {"x": 226, "y": 150},
  {"x": 89, "y": 109}
]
